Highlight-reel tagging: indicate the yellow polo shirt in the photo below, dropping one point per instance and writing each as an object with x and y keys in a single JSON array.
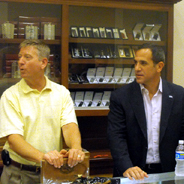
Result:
[{"x": 37, "y": 116}]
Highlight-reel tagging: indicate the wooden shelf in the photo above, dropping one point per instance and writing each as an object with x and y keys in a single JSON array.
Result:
[
  {"x": 95, "y": 86},
  {"x": 101, "y": 61},
  {"x": 95, "y": 112},
  {"x": 112, "y": 41},
  {"x": 19, "y": 40}
]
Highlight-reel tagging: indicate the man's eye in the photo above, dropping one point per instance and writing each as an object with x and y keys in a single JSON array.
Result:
[{"x": 143, "y": 63}]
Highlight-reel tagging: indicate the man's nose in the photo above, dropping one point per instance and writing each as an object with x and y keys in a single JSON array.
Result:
[
  {"x": 21, "y": 60},
  {"x": 137, "y": 66}
]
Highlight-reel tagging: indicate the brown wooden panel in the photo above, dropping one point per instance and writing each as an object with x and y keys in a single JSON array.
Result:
[
  {"x": 97, "y": 112},
  {"x": 18, "y": 41},
  {"x": 85, "y": 1},
  {"x": 101, "y": 162}
]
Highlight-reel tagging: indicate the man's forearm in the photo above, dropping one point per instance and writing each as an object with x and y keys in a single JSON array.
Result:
[
  {"x": 72, "y": 136},
  {"x": 24, "y": 149}
]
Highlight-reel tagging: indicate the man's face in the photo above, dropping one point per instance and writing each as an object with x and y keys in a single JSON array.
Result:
[
  {"x": 29, "y": 63},
  {"x": 145, "y": 70}
]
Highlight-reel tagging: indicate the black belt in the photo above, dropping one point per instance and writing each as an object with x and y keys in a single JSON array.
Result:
[
  {"x": 26, "y": 167},
  {"x": 153, "y": 166}
]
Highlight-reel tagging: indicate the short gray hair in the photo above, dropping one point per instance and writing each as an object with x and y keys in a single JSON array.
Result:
[{"x": 42, "y": 48}]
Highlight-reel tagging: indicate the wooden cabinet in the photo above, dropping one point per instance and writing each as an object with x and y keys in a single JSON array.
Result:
[{"x": 121, "y": 14}]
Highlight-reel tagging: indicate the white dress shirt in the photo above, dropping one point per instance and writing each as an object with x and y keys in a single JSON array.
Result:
[{"x": 153, "y": 114}]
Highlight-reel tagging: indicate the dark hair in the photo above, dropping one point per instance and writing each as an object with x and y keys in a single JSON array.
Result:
[{"x": 158, "y": 53}]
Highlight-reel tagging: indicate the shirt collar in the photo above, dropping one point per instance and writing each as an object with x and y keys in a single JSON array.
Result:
[
  {"x": 159, "y": 87},
  {"x": 26, "y": 89}
]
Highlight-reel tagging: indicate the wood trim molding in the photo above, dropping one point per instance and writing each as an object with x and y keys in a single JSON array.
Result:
[{"x": 70, "y": 2}]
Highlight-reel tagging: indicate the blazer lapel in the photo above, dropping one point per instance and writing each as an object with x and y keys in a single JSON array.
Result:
[
  {"x": 167, "y": 101},
  {"x": 138, "y": 107}
]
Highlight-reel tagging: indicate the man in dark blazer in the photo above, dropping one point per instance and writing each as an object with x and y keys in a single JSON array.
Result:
[{"x": 146, "y": 119}]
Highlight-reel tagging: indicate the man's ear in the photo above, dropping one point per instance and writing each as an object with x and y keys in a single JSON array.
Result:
[
  {"x": 160, "y": 66},
  {"x": 44, "y": 63}
]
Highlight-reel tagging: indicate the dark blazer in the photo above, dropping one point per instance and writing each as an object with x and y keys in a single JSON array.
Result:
[{"x": 127, "y": 129}]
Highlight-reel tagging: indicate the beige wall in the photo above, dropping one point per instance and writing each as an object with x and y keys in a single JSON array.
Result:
[{"x": 178, "y": 60}]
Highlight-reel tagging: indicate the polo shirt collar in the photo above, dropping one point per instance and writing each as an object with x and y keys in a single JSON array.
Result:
[{"x": 26, "y": 89}]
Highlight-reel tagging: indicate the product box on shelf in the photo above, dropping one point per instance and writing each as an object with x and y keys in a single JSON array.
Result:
[
  {"x": 109, "y": 52},
  {"x": 132, "y": 76},
  {"x": 45, "y": 22},
  {"x": 146, "y": 31},
  {"x": 29, "y": 30},
  {"x": 155, "y": 32},
  {"x": 74, "y": 32},
  {"x": 100, "y": 75},
  {"x": 82, "y": 32},
  {"x": 109, "y": 32},
  {"x": 72, "y": 94},
  {"x": 123, "y": 34},
  {"x": 102, "y": 32},
  {"x": 89, "y": 32},
  {"x": 91, "y": 75},
  {"x": 97, "y": 100},
  {"x": 106, "y": 98},
  {"x": 76, "y": 52},
  {"x": 116, "y": 33},
  {"x": 125, "y": 75},
  {"x": 103, "y": 53},
  {"x": 48, "y": 30},
  {"x": 8, "y": 29},
  {"x": 108, "y": 74},
  {"x": 121, "y": 51},
  {"x": 125, "y": 52},
  {"x": 88, "y": 98},
  {"x": 137, "y": 31},
  {"x": 96, "y": 33},
  {"x": 117, "y": 74},
  {"x": 86, "y": 52},
  {"x": 79, "y": 99},
  {"x": 114, "y": 52}
]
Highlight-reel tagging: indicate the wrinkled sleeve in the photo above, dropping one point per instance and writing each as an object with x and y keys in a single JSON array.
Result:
[{"x": 10, "y": 116}]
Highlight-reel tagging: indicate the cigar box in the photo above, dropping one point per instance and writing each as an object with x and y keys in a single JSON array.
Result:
[{"x": 50, "y": 174}]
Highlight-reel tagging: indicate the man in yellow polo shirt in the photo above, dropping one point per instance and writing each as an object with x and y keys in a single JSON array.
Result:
[{"x": 33, "y": 114}]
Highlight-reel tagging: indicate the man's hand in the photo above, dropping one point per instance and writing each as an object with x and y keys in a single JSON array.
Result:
[
  {"x": 64, "y": 153},
  {"x": 54, "y": 158},
  {"x": 136, "y": 173},
  {"x": 75, "y": 156}
]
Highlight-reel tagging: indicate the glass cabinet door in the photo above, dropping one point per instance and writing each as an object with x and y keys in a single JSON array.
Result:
[
  {"x": 102, "y": 45},
  {"x": 19, "y": 21}
]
